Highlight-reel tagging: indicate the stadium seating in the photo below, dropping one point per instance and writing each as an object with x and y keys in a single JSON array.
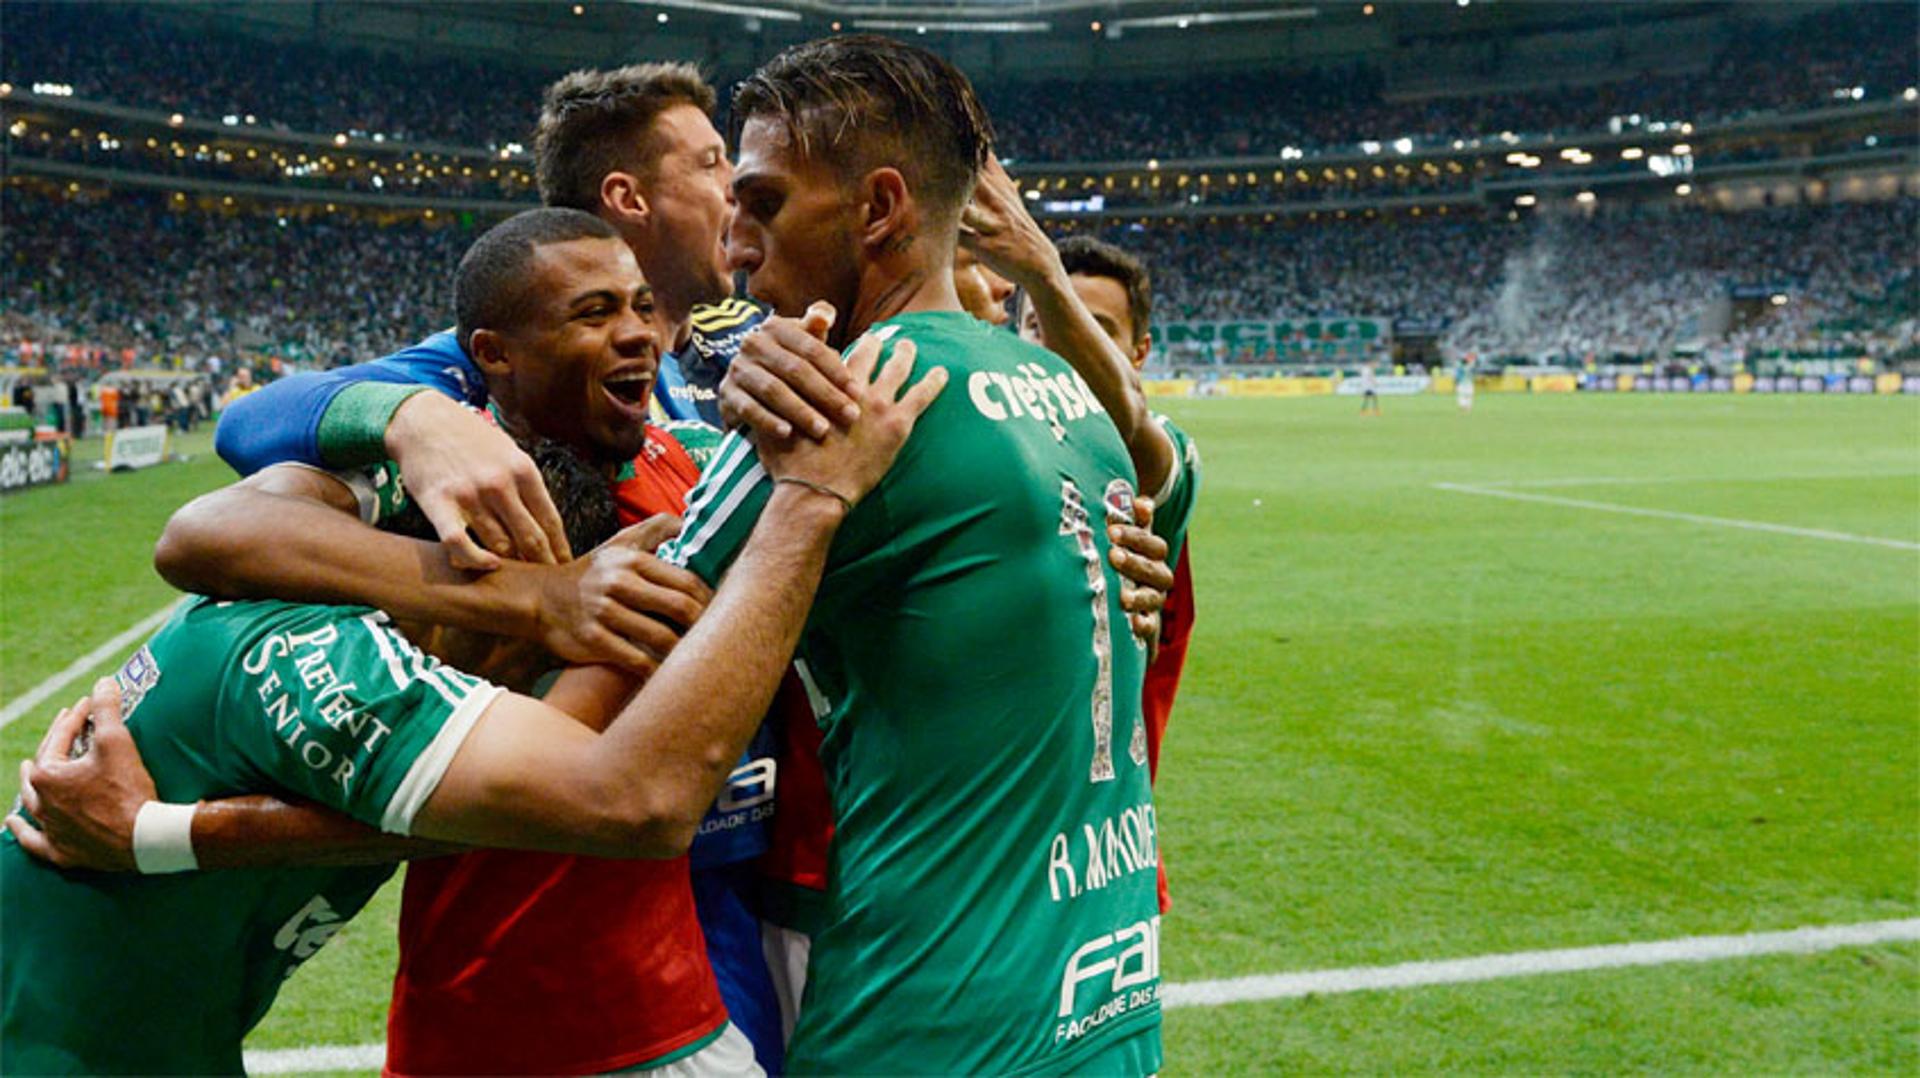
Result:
[{"x": 1424, "y": 246}]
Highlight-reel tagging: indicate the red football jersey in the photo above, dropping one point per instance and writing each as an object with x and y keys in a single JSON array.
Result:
[{"x": 536, "y": 963}]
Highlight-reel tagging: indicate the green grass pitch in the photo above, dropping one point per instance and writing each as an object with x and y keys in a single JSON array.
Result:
[{"x": 1425, "y": 724}]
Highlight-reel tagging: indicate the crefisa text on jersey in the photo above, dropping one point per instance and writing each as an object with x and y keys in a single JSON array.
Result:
[{"x": 1052, "y": 399}]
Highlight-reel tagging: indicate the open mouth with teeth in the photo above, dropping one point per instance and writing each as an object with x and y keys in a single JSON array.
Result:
[{"x": 629, "y": 388}]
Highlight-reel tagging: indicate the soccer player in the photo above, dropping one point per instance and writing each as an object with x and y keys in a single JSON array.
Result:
[
  {"x": 990, "y": 906},
  {"x": 1369, "y": 390},
  {"x": 634, "y": 146},
  {"x": 152, "y": 974},
  {"x": 1463, "y": 384}
]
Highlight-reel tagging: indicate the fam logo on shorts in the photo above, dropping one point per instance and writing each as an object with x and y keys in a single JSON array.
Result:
[{"x": 136, "y": 678}]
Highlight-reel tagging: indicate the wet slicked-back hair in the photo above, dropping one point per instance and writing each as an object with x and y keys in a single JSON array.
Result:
[
  {"x": 1097, "y": 258},
  {"x": 596, "y": 122},
  {"x": 490, "y": 289},
  {"x": 863, "y": 101}
]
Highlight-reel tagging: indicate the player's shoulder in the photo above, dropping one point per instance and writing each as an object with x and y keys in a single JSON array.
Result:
[
  {"x": 443, "y": 346},
  {"x": 955, "y": 336}
]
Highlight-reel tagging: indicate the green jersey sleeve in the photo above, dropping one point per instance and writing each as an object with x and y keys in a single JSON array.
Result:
[
  {"x": 334, "y": 705},
  {"x": 1173, "y": 502},
  {"x": 721, "y": 511}
]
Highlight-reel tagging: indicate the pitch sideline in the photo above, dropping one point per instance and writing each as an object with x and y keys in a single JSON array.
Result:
[
  {"x": 1669, "y": 514},
  {"x": 34, "y": 696},
  {"x": 1812, "y": 940}
]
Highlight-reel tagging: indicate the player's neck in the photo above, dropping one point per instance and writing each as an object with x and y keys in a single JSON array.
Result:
[{"x": 889, "y": 290}]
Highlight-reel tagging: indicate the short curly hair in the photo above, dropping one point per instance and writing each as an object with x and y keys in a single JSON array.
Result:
[{"x": 596, "y": 122}]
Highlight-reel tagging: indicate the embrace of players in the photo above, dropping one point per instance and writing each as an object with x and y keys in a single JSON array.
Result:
[{"x": 873, "y": 684}]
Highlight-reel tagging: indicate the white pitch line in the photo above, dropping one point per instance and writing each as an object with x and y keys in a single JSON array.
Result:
[
  {"x": 1358, "y": 979},
  {"x": 21, "y": 705},
  {"x": 1535, "y": 963},
  {"x": 1661, "y": 480},
  {"x": 1691, "y": 518},
  {"x": 335, "y": 1057}
]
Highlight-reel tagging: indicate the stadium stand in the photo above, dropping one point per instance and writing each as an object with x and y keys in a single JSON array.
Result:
[
  {"x": 324, "y": 290},
  {"x": 222, "y": 156},
  {"x": 146, "y": 63}
]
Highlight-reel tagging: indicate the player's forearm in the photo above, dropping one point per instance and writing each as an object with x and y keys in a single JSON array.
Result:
[
  {"x": 266, "y": 832},
  {"x": 1072, "y": 333},
  {"x": 681, "y": 735},
  {"x": 593, "y": 695},
  {"x": 239, "y": 543}
]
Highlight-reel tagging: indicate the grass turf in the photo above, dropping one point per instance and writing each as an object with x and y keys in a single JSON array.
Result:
[{"x": 1424, "y": 724}]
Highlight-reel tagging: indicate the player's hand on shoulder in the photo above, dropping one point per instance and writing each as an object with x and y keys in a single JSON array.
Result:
[
  {"x": 785, "y": 379},
  {"x": 1140, "y": 557},
  {"x": 849, "y": 463},
  {"x": 84, "y": 787},
  {"x": 619, "y": 604},
  {"x": 465, "y": 473}
]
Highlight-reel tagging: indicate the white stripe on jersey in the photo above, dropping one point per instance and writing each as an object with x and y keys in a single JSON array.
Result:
[
  {"x": 394, "y": 647},
  {"x": 731, "y": 491}
]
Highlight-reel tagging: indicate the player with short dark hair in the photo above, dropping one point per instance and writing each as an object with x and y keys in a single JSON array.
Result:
[
  {"x": 330, "y": 703},
  {"x": 967, "y": 926},
  {"x": 593, "y": 123},
  {"x": 1087, "y": 256}
]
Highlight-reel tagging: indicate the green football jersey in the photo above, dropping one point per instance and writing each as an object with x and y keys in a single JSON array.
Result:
[
  {"x": 166, "y": 974},
  {"x": 990, "y": 902},
  {"x": 1173, "y": 503}
]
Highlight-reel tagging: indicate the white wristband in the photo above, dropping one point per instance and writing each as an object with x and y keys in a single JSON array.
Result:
[{"x": 163, "y": 838}]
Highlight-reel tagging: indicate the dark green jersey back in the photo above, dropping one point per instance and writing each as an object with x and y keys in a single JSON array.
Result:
[
  {"x": 165, "y": 974},
  {"x": 991, "y": 902}
]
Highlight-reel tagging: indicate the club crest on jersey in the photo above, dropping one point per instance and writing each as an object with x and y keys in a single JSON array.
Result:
[
  {"x": 1119, "y": 501},
  {"x": 136, "y": 677}
]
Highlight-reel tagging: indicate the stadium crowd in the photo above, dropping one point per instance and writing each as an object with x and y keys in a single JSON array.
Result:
[
  {"x": 1617, "y": 282},
  {"x": 123, "y": 55},
  {"x": 321, "y": 290},
  {"x": 337, "y": 288}
]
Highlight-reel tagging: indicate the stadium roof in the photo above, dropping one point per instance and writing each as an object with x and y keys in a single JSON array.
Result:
[{"x": 1010, "y": 38}]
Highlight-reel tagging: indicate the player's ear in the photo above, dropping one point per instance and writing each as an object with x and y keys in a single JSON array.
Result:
[
  {"x": 488, "y": 349},
  {"x": 888, "y": 214},
  {"x": 1141, "y": 349},
  {"x": 622, "y": 202}
]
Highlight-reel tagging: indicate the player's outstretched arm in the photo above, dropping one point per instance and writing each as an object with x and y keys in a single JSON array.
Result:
[
  {"x": 996, "y": 227},
  {"x": 87, "y": 805},
  {"x": 282, "y": 421},
  {"x": 463, "y": 471},
  {"x": 523, "y": 777},
  {"x": 293, "y": 533},
  {"x": 528, "y": 775}
]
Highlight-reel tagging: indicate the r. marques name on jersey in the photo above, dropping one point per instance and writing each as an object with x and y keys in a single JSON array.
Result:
[{"x": 1106, "y": 851}]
